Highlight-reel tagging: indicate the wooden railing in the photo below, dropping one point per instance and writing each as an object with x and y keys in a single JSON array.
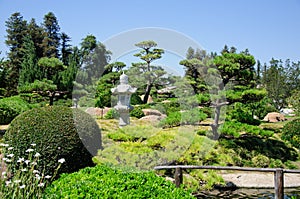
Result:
[{"x": 278, "y": 174}]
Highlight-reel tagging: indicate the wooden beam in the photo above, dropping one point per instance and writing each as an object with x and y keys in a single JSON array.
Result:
[{"x": 279, "y": 184}]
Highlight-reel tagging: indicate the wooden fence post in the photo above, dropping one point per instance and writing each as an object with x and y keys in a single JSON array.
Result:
[
  {"x": 178, "y": 176},
  {"x": 279, "y": 184}
]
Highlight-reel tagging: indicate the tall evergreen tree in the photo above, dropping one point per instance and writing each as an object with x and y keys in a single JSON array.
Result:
[
  {"x": 16, "y": 31},
  {"x": 29, "y": 69},
  {"x": 51, "y": 39},
  {"x": 66, "y": 49},
  {"x": 37, "y": 35}
]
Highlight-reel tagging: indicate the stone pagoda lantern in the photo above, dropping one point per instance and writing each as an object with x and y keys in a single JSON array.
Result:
[{"x": 123, "y": 92}]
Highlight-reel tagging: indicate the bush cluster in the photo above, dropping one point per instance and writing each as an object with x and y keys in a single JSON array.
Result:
[
  {"x": 106, "y": 182},
  {"x": 178, "y": 118},
  {"x": 291, "y": 132},
  {"x": 236, "y": 128},
  {"x": 11, "y": 107},
  {"x": 137, "y": 112},
  {"x": 58, "y": 132}
]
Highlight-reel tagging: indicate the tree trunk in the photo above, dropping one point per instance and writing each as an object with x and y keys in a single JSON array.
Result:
[
  {"x": 215, "y": 124},
  {"x": 147, "y": 93}
]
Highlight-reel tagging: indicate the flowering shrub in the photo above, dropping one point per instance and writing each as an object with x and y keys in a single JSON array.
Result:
[{"x": 26, "y": 182}]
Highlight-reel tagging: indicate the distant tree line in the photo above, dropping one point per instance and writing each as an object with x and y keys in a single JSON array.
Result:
[{"x": 41, "y": 60}]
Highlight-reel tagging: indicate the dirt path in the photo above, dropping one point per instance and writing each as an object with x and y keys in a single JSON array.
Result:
[{"x": 259, "y": 180}]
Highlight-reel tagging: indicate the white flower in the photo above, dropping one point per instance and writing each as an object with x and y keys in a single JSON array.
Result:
[
  {"x": 10, "y": 155},
  {"x": 5, "y": 145},
  {"x": 27, "y": 161},
  {"x": 24, "y": 169},
  {"x": 47, "y": 177},
  {"x": 4, "y": 159},
  {"x": 37, "y": 155},
  {"x": 20, "y": 160},
  {"x": 7, "y": 160},
  {"x": 33, "y": 144},
  {"x": 41, "y": 184},
  {"x": 3, "y": 173},
  {"x": 62, "y": 160},
  {"x": 29, "y": 150},
  {"x": 37, "y": 176},
  {"x": 10, "y": 148},
  {"x": 22, "y": 187},
  {"x": 35, "y": 171},
  {"x": 33, "y": 163},
  {"x": 17, "y": 181},
  {"x": 7, "y": 182}
]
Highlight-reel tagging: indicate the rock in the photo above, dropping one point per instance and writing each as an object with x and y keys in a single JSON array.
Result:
[
  {"x": 152, "y": 118},
  {"x": 274, "y": 117},
  {"x": 97, "y": 111},
  {"x": 152, "y": 112},
  {"x": 287, "y": 111}
]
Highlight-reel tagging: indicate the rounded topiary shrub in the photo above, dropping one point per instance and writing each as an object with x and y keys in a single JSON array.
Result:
[
  {"x": 106, "y": 182},
  {"x": 11, "y": 107},
  {"x": 291, "y": 132},
  {"x": 57, "y": 132}
]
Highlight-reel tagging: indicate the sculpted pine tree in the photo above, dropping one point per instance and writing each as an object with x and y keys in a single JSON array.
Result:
[
  {"x": 237, "y": 68},
  {"x": 148, "y": 54}
]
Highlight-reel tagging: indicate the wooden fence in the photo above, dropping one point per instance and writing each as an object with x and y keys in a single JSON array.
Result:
[{"x": 278, "y": 174}]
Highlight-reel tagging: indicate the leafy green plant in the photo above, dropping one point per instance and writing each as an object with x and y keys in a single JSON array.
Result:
[
  {"x": 59, "y": 132},
  {"x": 11, "y": 107},
  {"x": 177, "y": 118},
  {"x": 291, "y": 132},
  {"x": 27, "y": 182},
  {"x": 237, "y": 128},
  {"x": 109, "y": 182},
  {"x": 111, "y": 114},
  {"x": 137, "y": 112}
]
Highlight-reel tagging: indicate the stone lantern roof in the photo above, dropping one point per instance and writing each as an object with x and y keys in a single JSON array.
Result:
[{"x": 123, "y": 87}]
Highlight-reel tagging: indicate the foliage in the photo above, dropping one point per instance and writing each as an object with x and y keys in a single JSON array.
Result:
[
  {"x": 59, "y": 132},
  {"x": 295, "y": 102},
  {"x": 16, "y": 31},
  {"x": 103, "y": 90},
  {"x": 291, "y": 132},
  {"x": 11, "y": 107},
  {"x": 237, "y": 128},
  {"x": 241, "y": 113},
  {"x": 137, "y": 112},
  {"x": 51, "y": 39},
  {"x": 27, "y": 181},
  {"x": 144, "y": 75},
  {"x": 135, "y": 99},
  {"x": 111, "y": 114},
  {"x": 110, "y": 182},
  {"x": 178, "y": 118}
]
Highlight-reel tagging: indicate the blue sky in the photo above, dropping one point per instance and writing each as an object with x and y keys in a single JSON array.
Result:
[{"x": 268, "y": 28}]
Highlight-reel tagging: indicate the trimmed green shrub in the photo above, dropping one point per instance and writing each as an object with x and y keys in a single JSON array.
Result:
[
  {"x": 105, "y": 182},
  {"x": 137, "y": 112},
  {"x": 135, "y": 99},
  {"x": 236, "y": 128},
  {"x": 260, "y": 161},
  {"x": 11, "y": 107},
  {"x": 291, "y": 132},
  {"x": 177, "y": 118},
  {"x": 111, "y": 114},
  {"x": 58, "y": 132}
]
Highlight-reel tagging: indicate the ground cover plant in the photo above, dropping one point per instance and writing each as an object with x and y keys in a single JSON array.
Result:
[{"x": 111, "y": 182}]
